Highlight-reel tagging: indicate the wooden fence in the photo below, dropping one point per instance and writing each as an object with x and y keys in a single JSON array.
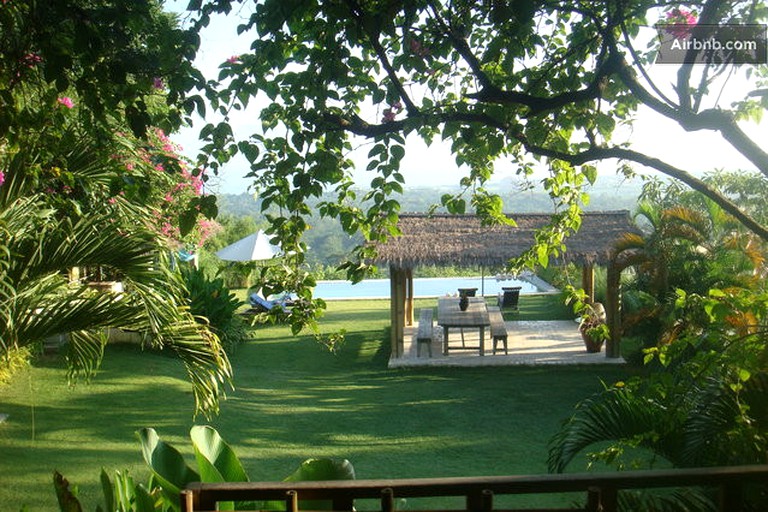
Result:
[{"x": 600, "y": 489}]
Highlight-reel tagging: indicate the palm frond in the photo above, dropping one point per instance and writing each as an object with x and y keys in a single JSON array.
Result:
[{"x": 613, "y": 415}]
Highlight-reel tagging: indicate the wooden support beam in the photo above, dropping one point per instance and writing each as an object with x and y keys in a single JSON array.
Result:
[
  {"x": 397, "y": 309},
  {"x": 409, "y": 296},
  {"x": 588, "y": 281},
  {"x": 613, "y": 311}
]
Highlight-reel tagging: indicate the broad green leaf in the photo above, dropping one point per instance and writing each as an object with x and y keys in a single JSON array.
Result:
[
  {"x": 315, "y": 470},
  {"x": 216, "y": 460},
  {"x": 166, "y": 463},
  {"x": 106, "y": 488}
]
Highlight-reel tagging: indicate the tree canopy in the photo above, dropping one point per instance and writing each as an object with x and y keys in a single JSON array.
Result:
[{"x": 530, "y": 82}]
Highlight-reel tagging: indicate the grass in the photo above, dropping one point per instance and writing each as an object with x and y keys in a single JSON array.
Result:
[{"x": 292, "y": 400}]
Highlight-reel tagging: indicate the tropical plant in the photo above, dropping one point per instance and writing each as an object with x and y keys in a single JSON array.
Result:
[
  {"x": 83, "y": 182},
  {"x": 685, "y": 241},
  {"x": 45, "y": 235},
  {"x": 703, "y": 402},
  {"x": 592, "y": 320},
  {"x": 211, "y": 301},
  {"x": 123, "y": 494},
  {"x": 217, "y": 462}
]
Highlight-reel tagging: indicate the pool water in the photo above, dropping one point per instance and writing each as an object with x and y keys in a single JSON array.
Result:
[{"x": 422, "y": 287}]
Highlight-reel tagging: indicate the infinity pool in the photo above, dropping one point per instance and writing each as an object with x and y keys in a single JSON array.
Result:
[{"x": 422, "y": 287}]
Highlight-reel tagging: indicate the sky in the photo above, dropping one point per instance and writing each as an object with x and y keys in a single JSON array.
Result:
[{"x": 651, "y": 133}]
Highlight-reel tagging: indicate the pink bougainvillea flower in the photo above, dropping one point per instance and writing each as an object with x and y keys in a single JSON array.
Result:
[
  {"x": 234, "y": 59},
  {"x": 31, "y": 60},
  {"x": 158, "y": 83},
  {"x": 66, "y": 101},
  {"x": 680, "y": 22},
  {"x": 2, "y": 178}
]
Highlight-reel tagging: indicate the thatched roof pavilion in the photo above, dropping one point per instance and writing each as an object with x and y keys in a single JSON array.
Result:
[{"x": 443, "y": 239}]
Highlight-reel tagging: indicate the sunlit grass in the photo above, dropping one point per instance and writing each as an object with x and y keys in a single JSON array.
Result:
[{"x": 292, "y": 400}]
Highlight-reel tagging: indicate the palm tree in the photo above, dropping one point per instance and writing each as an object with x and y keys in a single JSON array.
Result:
[{"x": 43, "y": 236}]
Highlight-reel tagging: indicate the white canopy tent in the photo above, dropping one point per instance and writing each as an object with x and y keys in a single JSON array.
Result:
[{"x": 251, "y": 248}]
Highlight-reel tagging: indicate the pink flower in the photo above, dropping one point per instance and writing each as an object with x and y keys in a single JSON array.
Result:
[
  {"x": 680, "y": 21},
  {"x": 157, "y": 83},
  {"x": 66, "y": 101},
  {"x": 2, "y": 178},
  {"x": 234, "y": 59},
  {"x": 31, "y": 60}
]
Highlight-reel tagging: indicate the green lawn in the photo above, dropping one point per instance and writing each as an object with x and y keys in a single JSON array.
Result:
[{"x": 292, "y": 400}]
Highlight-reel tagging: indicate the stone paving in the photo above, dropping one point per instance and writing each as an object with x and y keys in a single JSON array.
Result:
[{"x": 529, "y": 343}]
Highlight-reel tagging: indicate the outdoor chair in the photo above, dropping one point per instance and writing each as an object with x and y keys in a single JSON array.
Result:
[
  {"x": 509, "y": 297},
  {"x": 261, "y": 305}
]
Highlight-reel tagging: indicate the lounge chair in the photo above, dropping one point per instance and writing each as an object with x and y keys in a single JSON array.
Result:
[
  {"x": 510, "y": 297},
  {"x": 261, "y": 305}
]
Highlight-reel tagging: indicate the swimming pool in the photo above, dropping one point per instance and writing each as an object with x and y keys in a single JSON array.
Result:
[{"x": 425, "y": 287}]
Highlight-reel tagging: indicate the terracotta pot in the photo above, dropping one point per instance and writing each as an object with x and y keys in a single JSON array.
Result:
[{"x": 592, "y": 345}]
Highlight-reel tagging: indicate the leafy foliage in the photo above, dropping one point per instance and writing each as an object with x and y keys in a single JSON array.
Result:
[
  {"x": 82, "y": 176},
  {"x": 216, "y": 462},
  {"x": 215, "y": 305},
  {"x": 526, "y": 82},
  {"x": 702, "y": 404}
]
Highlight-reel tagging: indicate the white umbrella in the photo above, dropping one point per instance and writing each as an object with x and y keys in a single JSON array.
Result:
[{"x": 251, "y": 248}]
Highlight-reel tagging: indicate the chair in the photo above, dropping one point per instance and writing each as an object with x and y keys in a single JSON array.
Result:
[
  {"x": 509, "y": 297},
  {"x": 260, "y": 304}
]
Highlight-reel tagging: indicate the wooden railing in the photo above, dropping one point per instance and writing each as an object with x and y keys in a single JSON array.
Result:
[{"x": 601, "y": 489}]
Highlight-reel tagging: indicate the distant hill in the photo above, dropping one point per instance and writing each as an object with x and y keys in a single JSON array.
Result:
[
  {"x": 609, "y": 193},
  {"x": 329, "y": 243}
]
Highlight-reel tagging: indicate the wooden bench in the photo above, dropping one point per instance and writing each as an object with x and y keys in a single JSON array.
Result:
[
  {"x": 424, "y": 334},
  {"x": 498, "y": 327}
]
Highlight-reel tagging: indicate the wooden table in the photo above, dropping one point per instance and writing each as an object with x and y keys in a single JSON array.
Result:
[{"x": 450, "y": 315}]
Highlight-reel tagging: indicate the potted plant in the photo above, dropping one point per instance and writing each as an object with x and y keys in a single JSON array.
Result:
[
  {"x": 592, "y": 321},
  {"x": 592, "y": 326}
]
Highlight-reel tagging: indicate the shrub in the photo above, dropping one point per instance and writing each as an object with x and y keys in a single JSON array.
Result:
[{"x": 211, "y": 299}]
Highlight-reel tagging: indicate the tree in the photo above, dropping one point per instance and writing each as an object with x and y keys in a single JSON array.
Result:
[
  {"x": 525, "y": 81},
  {"x": 499, "y": 80}
]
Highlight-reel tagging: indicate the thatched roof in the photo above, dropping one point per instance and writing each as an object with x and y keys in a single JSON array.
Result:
[{"x": 443, "y": 239}]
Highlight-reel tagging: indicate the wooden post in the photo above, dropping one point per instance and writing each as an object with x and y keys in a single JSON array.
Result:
[
  {"x": 588, "y": 281},
  {"x": 613, "y": 311},
  {"x": 397, "y": 309},
  {"x": 409, "y": 296}
]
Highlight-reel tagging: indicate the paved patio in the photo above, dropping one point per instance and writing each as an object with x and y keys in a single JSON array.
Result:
[{"x": 529, "y": 343}]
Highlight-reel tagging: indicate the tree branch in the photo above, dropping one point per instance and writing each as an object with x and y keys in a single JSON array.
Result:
[
  {"x": 356, "y": 11},
  {"x": 598, "y": 153},
  {"x": 721, "y": 121},
  {"x": 539, "y": 104},
  {"x": 708, "y": 17}
]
